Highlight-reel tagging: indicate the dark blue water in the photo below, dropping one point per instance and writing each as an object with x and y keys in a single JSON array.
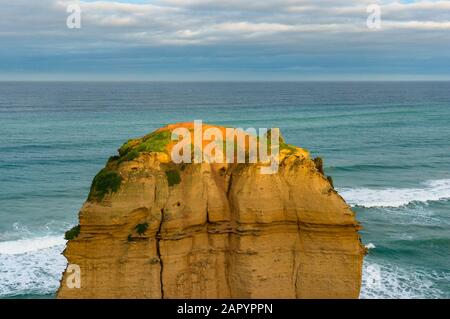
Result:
[{"x": 387, "y": 146}]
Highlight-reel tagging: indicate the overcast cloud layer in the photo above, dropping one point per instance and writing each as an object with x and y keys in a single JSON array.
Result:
[{"x": 234, "y": 39}]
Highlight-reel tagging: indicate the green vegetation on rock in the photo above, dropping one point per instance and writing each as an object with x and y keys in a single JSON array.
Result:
[
  {"x": 141, "y": 228},
  {"x": 72, "y": 233},
  {"x": 128, "y": 146},
  {"x": 173, "y": 177},
  {"x": 130, "y": 156},
  {"x": 153, "y": 142},
  {"x": 104, "y": 182},
  {"x": 108, "y": 180},
  {"x": 113, "y": 159}
]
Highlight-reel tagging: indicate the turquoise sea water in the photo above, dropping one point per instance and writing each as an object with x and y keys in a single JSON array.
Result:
[{"x": 387, "y": 146}]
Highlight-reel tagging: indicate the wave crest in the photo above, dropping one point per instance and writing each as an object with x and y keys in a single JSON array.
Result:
[
  {"x": 433, "y": 190},
  {"x": 23, "y": 246}
]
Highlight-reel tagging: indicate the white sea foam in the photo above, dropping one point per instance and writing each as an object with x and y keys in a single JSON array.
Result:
[
  {"x": 396, "y": 197},
  {"x": 394, "y": 282},
  {"x": 31, "y": 266},
  {"x": 22, "y": 246},
  {"x": 370, "y": 246}
]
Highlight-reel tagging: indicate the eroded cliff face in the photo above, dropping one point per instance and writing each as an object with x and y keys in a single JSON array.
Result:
[{"x": 155, "y": 229}]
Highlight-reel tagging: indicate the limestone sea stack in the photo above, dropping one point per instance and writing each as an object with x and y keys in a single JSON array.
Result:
[{"x": 152, "y": 228}]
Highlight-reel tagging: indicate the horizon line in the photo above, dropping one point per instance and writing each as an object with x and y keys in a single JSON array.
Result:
[{"x": 217, "y": 81}]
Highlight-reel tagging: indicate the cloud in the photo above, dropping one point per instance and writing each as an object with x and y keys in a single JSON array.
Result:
[
  {"x": 214, "y": 21},
  {"x": 207, "y": 30},
  {"x": 418, "y": 25}
]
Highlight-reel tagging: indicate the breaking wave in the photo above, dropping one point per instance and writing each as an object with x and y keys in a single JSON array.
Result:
[
  {"x": 393, "y": 282},
  {"x": 31, "y": 266},
  {"x": 433, "y": 190}
]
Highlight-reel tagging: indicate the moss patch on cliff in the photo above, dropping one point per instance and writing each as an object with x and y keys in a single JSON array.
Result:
[
  {"x": 128, "y": 146},
  {"x": 141, "y": 228},
  {"x": 129, "y": 156},
  {"x": 72, "y": 233},
  {"x": 153, "y": 142},
  {"x": 104, "y": 182},
  {"x": 173, "y": 177}
]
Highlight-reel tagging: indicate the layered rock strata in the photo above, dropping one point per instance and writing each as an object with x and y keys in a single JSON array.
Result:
[{"x": 154, "y": 229}]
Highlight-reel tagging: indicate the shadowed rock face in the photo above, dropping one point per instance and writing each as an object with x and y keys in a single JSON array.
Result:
[{"x": 155, "y": 229}]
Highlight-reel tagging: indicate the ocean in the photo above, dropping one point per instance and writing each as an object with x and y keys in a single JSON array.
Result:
[{"x": 386, "y": 145}]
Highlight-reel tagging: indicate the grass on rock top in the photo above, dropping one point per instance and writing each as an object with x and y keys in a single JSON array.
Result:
[
  {"x": 157, "y": 142},
  {"x": 153, "y": 142},
  {"x": 108, "y": 180}
]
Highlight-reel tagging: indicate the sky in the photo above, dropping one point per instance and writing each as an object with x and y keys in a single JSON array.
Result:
[{"x": 208, "y": 40}]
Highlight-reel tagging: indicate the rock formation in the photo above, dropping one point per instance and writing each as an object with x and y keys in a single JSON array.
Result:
[{"x": 154, "y": 229}]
